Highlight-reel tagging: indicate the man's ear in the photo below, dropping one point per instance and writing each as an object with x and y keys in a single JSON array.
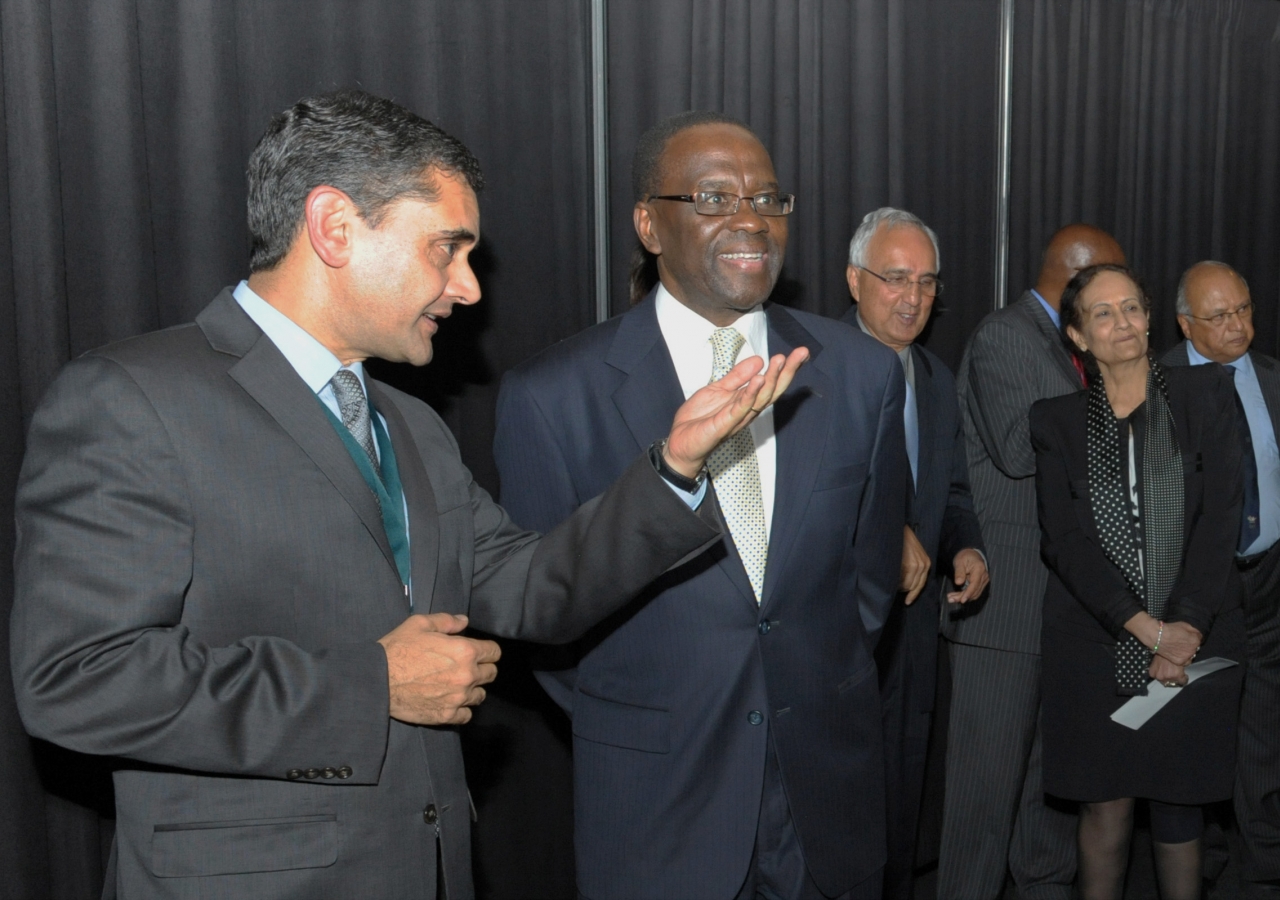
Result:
[
  {"x": 851, "y": 276},
  {"x": 331, "y": 217},
  {"x": 1185, "y": 325},
  {"x": 642, "y": 218}
]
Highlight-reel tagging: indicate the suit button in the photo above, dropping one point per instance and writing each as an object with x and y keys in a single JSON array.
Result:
[
  {"x": 329, "y": 772},
  {"x": 429, "y": 815},
  {"x": 293, "y": 774},
  {"x": 754, "y": 717},
  {"x": 345, "y": 772},
  {"x": 312, "y": 773},
  {"x": 764, "y": 626}
]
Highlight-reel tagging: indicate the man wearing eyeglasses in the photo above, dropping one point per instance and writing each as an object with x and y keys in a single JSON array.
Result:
[
  {"x": 727, "y": 734},
  {"x": 1216, "y": 317},
  {"x": 893, "y": 277}
]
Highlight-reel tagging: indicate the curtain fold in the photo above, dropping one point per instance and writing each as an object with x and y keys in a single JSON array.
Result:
[{"x": 1158, "y": 120}]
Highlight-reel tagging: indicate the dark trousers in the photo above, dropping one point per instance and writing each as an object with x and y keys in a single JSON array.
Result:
[
  {"x": 778, "y": 870},
  {"x": 995, "y": 816},
  {"x": 907, "y": 659},
  {"x": 1257, "y": 794}
]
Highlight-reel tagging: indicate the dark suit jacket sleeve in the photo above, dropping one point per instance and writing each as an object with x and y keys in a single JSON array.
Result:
[
  {"x": 601, "y": 556},
  {"x": 878, "y": 542},
  {"x": 960, "y": 529},
  {"x": 1207, "y": 579},
  {"x": 1072, "y": 554},
  {"x": 1000, "y": 395},
  {"x": 102, "y": 662},
  {"x": 537, "y": 488}
]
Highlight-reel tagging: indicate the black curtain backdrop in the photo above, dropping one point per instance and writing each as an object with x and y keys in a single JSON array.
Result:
[
  {"x": 1160, "y": 122},
  {"x": 126, "y": 127},
  {"x": 862, "y": 103}
]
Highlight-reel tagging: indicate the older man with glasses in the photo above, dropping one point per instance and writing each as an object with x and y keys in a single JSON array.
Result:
[
  {"x": 1215, "y": 313},
  {"x": 893, "y": 277}
]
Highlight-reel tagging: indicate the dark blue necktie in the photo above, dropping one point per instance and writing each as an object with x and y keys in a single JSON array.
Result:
[{"x": 1249, "y": 524}]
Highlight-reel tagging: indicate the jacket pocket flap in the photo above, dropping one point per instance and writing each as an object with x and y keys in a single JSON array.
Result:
[
  {"x": 195, "y": 849},
  {"x": 621, "y": 724}
]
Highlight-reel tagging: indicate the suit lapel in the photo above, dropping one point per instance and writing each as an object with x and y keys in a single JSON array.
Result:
[
  {"x": 1051, "y": 336},
  {"x": 424, "y": 526},
  {"x": 800, "y": 419},
  {"x": 268, "y": 378},
  {"x": 651, "y": 393},
  {"x": 648, "y": 398}
]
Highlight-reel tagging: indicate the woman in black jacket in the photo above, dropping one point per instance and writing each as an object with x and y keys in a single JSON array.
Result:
[{"x": 1139, "y": 490}]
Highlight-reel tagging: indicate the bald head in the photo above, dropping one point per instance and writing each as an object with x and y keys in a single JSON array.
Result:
[
  {"x": 1215, "y": 312},
  {"x": 1073, "y": 248}
]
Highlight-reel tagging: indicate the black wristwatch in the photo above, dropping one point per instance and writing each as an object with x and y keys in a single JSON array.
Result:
[{"x": 686, "y": 484}]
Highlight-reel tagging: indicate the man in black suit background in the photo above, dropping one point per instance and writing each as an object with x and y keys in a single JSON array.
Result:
[
  {"x": 994, "y": 814},
  {"x": 243, "y": 567},
  {"x": 893, "y": 277},
  {"x": 1215, "y": 313}
]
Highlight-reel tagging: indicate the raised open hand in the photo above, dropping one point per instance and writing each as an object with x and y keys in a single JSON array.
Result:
[{"x": 725, "y": 407}]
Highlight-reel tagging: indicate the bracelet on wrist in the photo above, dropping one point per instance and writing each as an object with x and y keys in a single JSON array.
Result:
[{"x": 1159, "y": 634}]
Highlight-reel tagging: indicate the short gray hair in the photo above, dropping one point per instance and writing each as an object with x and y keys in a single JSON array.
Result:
[
  {"x": 889, "y": 218},
  {"x": 1184, "y": 307}
]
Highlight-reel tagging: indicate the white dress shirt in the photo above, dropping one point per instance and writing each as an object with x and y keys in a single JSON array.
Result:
[{"x": 688, "y": 339}]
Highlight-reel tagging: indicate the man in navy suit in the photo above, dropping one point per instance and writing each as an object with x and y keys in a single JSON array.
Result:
[
  {"x": 893, "y": 276},
  {"x": 727, "y": 733}
]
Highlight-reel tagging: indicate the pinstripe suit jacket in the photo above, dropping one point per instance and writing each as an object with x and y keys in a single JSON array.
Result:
[{"x": 1014, "y": 358}]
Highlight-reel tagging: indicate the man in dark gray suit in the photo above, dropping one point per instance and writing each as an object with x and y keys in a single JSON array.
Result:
[
  {"x": 1215, "y": 313},
  {"x": 893, "y": 276},
  {"x": 994, "y": 814},
  {"x": 243, "y": 567}
]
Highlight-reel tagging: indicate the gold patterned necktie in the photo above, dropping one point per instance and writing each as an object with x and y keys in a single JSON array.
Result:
[{"x": 736, "y": 475}]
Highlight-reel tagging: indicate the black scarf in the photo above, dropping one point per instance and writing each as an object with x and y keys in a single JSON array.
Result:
[{"x": 1149, "y": 551}]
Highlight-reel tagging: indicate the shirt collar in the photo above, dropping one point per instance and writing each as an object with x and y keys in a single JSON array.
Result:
[
  {"x": 688, "y": 335},
  {"x": 1053, "y": 313},
  {"x": 312, "y": 361},
  {"x": 1194, "y": 357},
  {"x": 904, "y": 355}
]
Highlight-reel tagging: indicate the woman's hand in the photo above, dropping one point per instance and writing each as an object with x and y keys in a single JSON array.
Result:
[
  {"x": 1177, "y": 642},
  {"x": 1167, "y": 673}
]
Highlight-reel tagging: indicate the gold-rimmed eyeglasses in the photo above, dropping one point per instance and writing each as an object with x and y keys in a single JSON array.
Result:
[{"x": 1217, "y": 320}]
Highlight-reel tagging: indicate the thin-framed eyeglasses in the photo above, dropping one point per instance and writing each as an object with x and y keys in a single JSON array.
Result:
[
  {"x": 1217, "y": 320},
  {"x": 723, "y": 203},
  {"x": 930, "y": 285}
]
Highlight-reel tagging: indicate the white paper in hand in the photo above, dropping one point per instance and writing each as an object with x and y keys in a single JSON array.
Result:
[{"x": 1137, "y": 711}]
